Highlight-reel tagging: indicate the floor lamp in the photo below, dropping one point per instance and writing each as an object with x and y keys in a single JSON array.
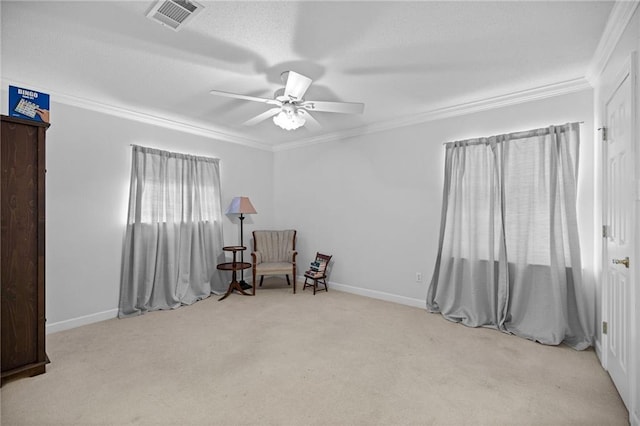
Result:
[{"x": 242, "y": 206}]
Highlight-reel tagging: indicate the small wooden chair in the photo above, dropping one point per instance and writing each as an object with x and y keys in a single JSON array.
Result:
[{"x": 319, "y": 276}]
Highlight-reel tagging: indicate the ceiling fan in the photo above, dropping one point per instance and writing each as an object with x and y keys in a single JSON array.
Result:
[{"x": 291, "y": 110}]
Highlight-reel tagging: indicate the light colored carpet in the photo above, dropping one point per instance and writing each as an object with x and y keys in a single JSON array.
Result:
[{"x": 329, "y": 359}]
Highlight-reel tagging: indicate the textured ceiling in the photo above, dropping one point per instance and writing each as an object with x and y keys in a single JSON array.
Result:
[{"x": 399, "y": 58}]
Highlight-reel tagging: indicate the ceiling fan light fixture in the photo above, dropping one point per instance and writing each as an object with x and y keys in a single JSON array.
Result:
[
  {"x": 292, "y": 110},
  {"x": 288, "y": 119}
]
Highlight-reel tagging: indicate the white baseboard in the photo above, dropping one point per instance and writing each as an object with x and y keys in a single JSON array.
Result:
[
  {"x": 374, "y": 294},
  {"x": 113, "y": 313},
  {"x": 598, "y": 348},
  {"x": 77, "y": 322}
]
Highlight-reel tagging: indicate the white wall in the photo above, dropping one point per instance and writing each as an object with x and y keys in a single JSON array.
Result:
[
  {"x": 88, "y": 172},
  {"x": 374, "y": 201}
]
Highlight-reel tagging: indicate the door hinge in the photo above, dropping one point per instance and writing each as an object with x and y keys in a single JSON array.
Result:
[
  {"x": 605, "y": 232},
  {"x": 604, "y": 133},
  {"x": 605, "y": 326}
]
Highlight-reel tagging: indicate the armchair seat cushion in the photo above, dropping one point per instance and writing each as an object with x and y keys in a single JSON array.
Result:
[{"x": 274, "y": 268}]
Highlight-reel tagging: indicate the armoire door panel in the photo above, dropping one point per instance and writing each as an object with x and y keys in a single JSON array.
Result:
[{"x": 22, "y": 247}]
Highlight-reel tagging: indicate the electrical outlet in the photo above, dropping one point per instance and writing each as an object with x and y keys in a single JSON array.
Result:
[{"x": 418, "y": 277}]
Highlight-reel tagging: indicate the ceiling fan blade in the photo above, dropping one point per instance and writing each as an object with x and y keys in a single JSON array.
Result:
[
  {"x": 297, "y": 85},
  {"x": 261, "y": 117},
  {"x": 246, "y": 98},
  {"x": 341, "y": 107},
  {"x": 310, "y": 122}
]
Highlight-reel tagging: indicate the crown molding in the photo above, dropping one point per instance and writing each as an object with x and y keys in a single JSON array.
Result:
[
  {"x": 619, "y": 18},
  {"x": 512, "y": 98},
  {"x": 143, "y": 117}
]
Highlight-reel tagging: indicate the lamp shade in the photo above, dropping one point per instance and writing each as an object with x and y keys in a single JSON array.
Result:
[{"x": 240, "y": 205}]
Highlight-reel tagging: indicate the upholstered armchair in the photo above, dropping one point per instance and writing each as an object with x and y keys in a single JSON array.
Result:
[{"x": 274, "y": 253}]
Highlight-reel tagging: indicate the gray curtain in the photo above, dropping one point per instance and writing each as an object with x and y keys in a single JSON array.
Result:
[
  {"x": 173, "y": 237},
  {"x": 509, "y": 252}
]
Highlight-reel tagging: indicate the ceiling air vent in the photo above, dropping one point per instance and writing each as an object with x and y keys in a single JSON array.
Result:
[{"x": 174, "y": 13}]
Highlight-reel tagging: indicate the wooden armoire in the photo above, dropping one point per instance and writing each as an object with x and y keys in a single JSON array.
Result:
[{"x": 22, "y": 198}]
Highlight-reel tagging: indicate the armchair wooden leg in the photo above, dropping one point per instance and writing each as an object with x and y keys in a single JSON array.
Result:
[
  {"x": 288, "y": 282},
  {"x": 261, "y": 278},
  {"x": 253, "y": 291}
]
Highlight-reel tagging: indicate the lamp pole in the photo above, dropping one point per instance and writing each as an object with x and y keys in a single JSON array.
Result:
[
  {"x": 243, "y": 283},
  {"x": 241, "y": 205}
]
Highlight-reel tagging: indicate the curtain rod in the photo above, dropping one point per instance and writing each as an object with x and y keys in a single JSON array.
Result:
[
  {"x": 175, "y": 154},
  {"x": 513, "y": 133}
]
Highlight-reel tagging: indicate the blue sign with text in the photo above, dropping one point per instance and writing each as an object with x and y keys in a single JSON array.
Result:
[{"x": 28, "y": 104}]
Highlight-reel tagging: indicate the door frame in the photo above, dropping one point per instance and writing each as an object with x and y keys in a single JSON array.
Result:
[
  {"x": 629, "y": 69},
  {"x": 634, "y": 356}
]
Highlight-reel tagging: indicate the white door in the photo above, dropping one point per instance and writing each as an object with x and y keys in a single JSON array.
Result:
[{"x": 618, "y": 247}]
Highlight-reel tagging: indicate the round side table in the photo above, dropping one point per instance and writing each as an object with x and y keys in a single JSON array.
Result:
[{"x": 234, "y": 267}]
